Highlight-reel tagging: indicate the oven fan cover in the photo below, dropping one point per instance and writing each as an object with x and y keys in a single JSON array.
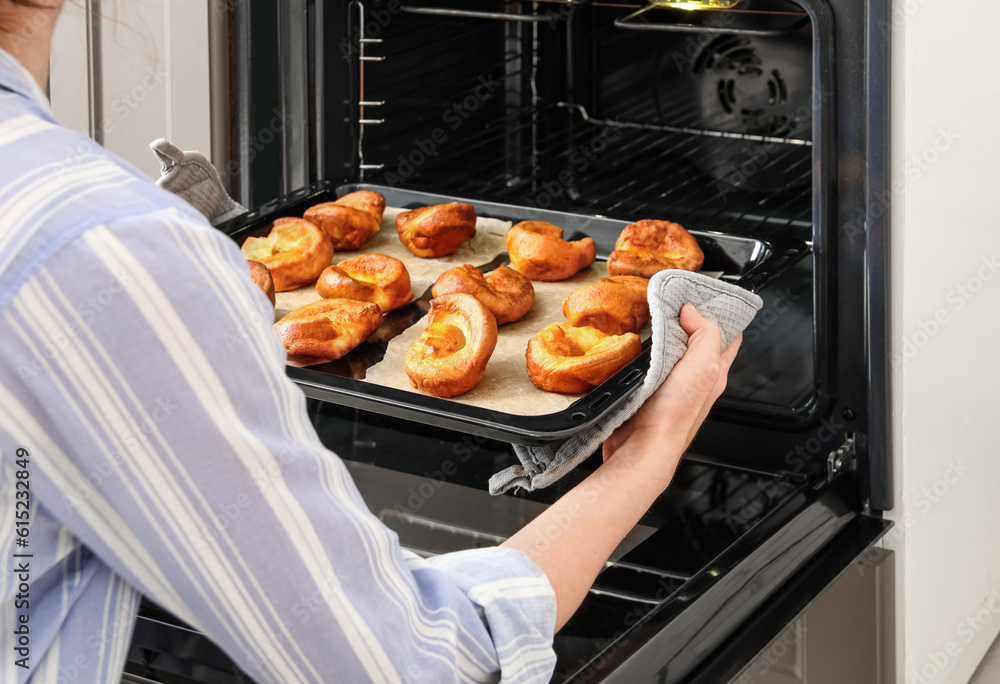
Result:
[{"x": 758, "y": 87}]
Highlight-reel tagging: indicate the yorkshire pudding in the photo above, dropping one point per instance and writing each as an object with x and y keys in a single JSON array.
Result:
[
  {"x": 438, "y": 230},
  {"x": 368, "y": 278},
  {"x": 295, "y": 252},
  {"x": 571, "y": 360},
  {"x": 346, "y": 227},
  {"x": 614, "y": 305},
  {"x": 647, "y": 247},
  {"x": 366, "y": 200},
  {"x": 261, "y": 277},
  {"x": 538, "y": 251},
  {"x": 505, "y": 292},
  {"x": 450, "y": 356},
  {"x": 329, "y": 328}
]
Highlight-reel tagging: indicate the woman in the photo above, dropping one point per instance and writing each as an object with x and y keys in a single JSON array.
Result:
[{"x": 132, "y": 419}]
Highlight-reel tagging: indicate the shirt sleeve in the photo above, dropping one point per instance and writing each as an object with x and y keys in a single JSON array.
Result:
[{"x": 176, "y": 450}]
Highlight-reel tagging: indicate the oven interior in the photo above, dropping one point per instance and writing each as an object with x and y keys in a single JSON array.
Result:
[
  {"x": 560, "y": 105},
  {"x": 575, "y": 113}
]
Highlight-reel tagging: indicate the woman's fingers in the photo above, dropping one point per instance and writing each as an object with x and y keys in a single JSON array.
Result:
[
  {"x": 726, "y": 361},
  {"x": 697, "y": 372},
  {"x": 682, "y": 403},
  {"x": 729, "y": 355}
]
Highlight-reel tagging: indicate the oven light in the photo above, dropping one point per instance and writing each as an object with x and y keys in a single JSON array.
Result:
[{"x": 696, "y": 4}]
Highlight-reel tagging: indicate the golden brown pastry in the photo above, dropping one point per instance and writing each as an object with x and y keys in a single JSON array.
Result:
[
  {"x": 329, "y": 328},
  {"x": 450, "y": 356},
  {"x": 647, "y": 247},
  {"x": 346, "y": 227},
  {"x": 538, "y": 251},
  {"x": 365, "y": 200},
  {"x": 571, "y": 360},
  {"x": 438, "y": 230},
  {"x": 295, "y": 252},
  {"x": 505, "y": 292},
  {"x": 261, "y": 277},
  {"x": 376, "y": 278},
  {"x": 614, "y": 305}
]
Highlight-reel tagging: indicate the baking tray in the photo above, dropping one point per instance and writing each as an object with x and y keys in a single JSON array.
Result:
[{"x": 748, "y": 262}]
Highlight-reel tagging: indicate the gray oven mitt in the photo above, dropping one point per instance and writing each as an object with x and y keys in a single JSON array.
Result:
[
  {"x": 192, "y": 177},
  {"x": 729, "y": 306}
]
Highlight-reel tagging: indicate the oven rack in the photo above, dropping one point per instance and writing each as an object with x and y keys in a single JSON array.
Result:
[
  {"x": 681, "y": 117},
  {"x": 636, "y": 171},
  {"x": 543, "y": 13},
  {"x": 514, "y": 143}
]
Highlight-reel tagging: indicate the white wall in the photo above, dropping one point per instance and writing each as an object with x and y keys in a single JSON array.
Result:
[
  {"x": 945, "y": 321},
  {"x": 154, "y": 63}
]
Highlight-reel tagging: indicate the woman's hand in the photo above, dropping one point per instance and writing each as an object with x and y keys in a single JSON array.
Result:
[{"x": 677, "y": 409}]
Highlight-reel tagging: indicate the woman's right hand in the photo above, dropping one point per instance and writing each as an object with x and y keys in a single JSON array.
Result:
[{"x": 673, "y": 414}]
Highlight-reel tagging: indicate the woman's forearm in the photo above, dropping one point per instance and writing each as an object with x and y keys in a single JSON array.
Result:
[{"x": 574, "y": 537}]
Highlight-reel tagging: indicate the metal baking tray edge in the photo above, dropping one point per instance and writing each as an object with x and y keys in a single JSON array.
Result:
[{"x": 766, "y": 259}]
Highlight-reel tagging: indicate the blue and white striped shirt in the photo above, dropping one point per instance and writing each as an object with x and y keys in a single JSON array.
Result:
[{"x": 129, "y": 418}]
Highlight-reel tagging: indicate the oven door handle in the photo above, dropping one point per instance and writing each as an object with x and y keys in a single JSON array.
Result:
[{"x": 629, "y": 22}]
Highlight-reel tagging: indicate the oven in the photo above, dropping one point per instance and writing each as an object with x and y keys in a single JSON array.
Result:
[{"x": 764, "y": 122}]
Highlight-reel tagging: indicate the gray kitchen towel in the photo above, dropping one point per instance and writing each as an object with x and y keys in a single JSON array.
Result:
[
  {"x": 729, "y": 306},
  {"x": 191, "y": 176}
]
